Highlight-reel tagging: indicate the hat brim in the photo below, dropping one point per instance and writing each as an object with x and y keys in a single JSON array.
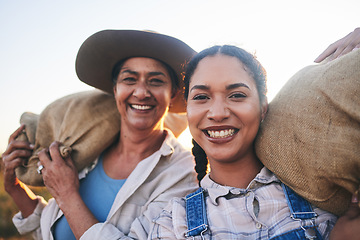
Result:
[{"x": 100, "y": 52}]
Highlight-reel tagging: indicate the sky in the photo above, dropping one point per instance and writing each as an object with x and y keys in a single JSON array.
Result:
[{"x": 40, "y": 39}]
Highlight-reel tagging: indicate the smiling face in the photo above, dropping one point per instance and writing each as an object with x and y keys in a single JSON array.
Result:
[
  {"x": 143, "y": 93},
  {"x": 223, "y": 108}
]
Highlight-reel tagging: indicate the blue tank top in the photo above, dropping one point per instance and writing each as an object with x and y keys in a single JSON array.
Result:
[{"x": 98, "y": 191}]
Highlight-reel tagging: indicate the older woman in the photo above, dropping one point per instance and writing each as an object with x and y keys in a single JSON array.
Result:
[{"x": 134, "y": 178}]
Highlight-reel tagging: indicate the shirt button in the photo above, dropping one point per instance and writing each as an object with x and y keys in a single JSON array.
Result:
[
  {"x": 236, "y": 191},
  {"x": 258, "y": 225},
  {"x": 247, "y": 194}
]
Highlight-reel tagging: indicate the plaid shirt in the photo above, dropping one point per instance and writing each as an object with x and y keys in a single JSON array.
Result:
[{"x": 258, "y": 212}]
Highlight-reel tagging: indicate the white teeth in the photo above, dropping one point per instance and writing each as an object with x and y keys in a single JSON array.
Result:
[
  {"x": 221, "y": 134},
  {"x": 141, "y": 107}
]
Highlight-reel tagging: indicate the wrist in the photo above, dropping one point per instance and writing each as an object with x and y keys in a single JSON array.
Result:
[{"x": 69, "y": 200}]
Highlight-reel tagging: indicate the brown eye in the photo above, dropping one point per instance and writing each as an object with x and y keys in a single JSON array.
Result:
[
  {"x": 200, "y": 97},
  {"x": 129, "y": 80},
  {"x": 156, "y": 82},
  {"x": 238, "y": 95}
]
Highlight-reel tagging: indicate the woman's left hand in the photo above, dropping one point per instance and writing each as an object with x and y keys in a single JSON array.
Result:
[
  {"x": 60, "y": 175},
  {"x": 348, "y": 225},
  {"x": 341, "y": 47}
]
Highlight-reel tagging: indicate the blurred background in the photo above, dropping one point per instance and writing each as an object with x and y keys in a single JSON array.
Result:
[{"x": 40, "y": 39}]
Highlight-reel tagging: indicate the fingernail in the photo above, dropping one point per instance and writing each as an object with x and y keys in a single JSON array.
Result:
[{"x": 32, "y": 146}]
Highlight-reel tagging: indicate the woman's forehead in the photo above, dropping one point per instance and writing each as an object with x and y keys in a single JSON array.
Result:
[
  {"x": 143, "y": 61},
  {"x": 221, "y": 70}
]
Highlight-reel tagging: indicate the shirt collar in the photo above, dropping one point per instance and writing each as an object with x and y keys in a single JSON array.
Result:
[
  {"x": 214, "y": 190},
  {"x": 166, "y": 149}
]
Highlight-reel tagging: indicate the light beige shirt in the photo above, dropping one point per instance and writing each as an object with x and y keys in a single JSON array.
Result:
[
  {"x": 258, "y": 212},
  {"x": 167, "y": 173}
]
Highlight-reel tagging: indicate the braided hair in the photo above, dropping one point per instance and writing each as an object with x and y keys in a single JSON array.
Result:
[{"x": 201, "y": 160}]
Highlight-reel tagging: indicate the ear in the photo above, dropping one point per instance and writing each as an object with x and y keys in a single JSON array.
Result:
[
  {"x": 264, "y": 108},
  {"x": 114, "y": 89}
]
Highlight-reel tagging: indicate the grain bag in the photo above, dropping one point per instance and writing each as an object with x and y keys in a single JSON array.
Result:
[
  {"x": 311, "y": 135},
  {"x": 86, "y": 123}
]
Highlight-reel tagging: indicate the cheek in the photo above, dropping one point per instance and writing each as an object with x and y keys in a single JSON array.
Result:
[
  {"x": 194, "y": 116},
  {"x": 190, "y": 113},
  {"x": 168, "y": 96}
]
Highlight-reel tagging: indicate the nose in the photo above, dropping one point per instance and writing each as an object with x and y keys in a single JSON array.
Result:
[
  {"x": 141, "y": 91},
  {"x": 218, "y": 111}
]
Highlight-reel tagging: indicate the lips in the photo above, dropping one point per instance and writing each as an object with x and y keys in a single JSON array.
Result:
[{"x": 141, "y": 107}]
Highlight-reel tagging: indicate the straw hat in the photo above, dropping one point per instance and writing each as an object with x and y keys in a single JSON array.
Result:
[{"x": 100, "y": 52}]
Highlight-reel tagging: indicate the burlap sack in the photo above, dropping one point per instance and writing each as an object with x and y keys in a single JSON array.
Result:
[
  {"x": 86, "y": 123},
  {"x": 311, "y": 135}
]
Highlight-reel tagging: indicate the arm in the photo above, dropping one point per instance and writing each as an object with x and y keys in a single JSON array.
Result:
[
  {"x": 169, "y": 178},
  {"x": 13, "y": 157},
  {"x": 62, "y": 181},
  {"x": 348, "y": 226},
  {"x": 341, "y": 47}
]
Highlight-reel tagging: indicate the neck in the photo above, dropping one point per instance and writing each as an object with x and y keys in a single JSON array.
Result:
[
  {"x": 124, "y": 155},
  {"x": 141, "y": 143},
  {"x": 237, "y": 174}
]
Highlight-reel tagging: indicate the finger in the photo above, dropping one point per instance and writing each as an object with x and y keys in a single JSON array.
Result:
[
  {"x": 14, "y": 145},
  {"x": 44, "y": 157},
  {"x": 11, "y": 165},
  {"x": 328, "y": 51},
  {"x": 354, "y": 209},
  {"x": 346, "y": 46},
  {"x": 348, "y": 43},
  {"x": 351, "y": 47},
  {"x": 19, "y": 155},
  {"x": 55, "y": 152},
  {"x": 16, "y": 133},
  {"x": 338, "y": 53}
]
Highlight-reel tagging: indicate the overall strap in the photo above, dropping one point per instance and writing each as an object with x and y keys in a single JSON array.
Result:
[
  {"x": 299, "y": 207},
  {"x": 301, "y": 210},
  {"x": 196, "y": 213}
]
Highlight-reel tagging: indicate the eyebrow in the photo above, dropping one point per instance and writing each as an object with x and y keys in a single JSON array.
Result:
[
  {"x": 201, "y": 87},
  {"x": 228, "y": 87},
  {"x": 236, "y": 85},
  {"x": 136, "y": 73}
]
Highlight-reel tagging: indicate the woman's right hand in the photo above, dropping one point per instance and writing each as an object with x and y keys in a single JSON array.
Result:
[
  {"x": 16, "y": 153},
  {"x": 348, "y": 225}
]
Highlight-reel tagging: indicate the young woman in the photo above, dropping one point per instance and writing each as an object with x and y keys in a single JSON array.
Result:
[{"x": 239, "y": 198}]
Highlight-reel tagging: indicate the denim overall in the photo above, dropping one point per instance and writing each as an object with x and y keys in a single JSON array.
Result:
[{"x": 300, "y": 209}]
